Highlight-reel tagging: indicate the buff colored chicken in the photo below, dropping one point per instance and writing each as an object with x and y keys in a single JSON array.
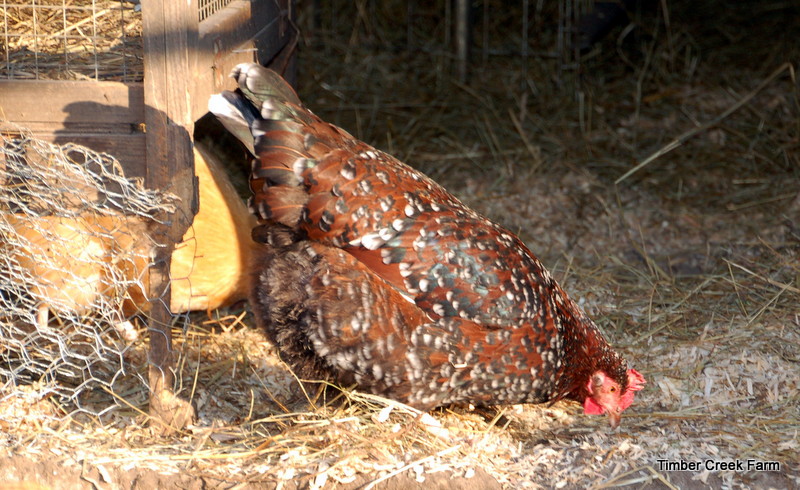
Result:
[
  {"x": 74, "y": 261},
  {"x": 74, "y": 264}
]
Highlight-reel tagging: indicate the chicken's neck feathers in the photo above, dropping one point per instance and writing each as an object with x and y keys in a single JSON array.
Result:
[{"x": 586, "y": 351}]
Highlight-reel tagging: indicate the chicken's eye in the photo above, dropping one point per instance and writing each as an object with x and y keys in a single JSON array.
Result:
[{"x": 613, "y": 389}]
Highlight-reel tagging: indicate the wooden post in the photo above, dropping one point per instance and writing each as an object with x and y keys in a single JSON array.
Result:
[{"x": 170, "y": 38}]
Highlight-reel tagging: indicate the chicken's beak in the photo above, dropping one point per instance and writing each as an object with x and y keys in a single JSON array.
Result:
[{"x": 613, "y": 419}]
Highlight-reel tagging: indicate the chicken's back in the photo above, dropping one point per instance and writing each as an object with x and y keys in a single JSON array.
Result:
[
  {"x": 209, "y": 266},
  {"x": 71, "y": 262}
]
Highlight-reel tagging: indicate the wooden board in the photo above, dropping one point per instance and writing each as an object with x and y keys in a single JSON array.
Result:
[
  {"x": 60, "y": 101},
  {"x": 104, "y": 116},
  {"x": 128, "y": 149}
]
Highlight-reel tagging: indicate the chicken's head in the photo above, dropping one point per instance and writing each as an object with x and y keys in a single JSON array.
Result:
[{"x": 607, "y": 396}]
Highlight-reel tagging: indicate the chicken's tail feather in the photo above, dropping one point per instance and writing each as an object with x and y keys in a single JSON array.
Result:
[
  {"x": 236, "y": 113},
  {"x": 259, "y": 84},
  {"x": 286, "y": 139}
]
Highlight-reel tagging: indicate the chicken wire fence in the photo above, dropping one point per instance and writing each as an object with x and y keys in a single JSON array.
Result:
[
  {"x": 74, "y": 253},
  {"x": 71, "y": 40},
  {"x": 77, "y": 39}
]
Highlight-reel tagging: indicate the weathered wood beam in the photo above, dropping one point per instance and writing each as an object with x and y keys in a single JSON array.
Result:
[
  {"x": 170, "y": 39},
  {"x": 62, "y": 101}
]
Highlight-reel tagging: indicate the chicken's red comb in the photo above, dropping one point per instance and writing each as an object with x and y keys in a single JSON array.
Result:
[{"x": 635, "y": 383}]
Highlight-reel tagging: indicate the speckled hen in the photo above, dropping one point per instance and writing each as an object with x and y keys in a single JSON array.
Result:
[{"x": 375, "y": 276}]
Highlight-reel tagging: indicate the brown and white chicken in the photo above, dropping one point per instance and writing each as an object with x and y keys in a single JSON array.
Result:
[{"x": 373, "y": 275}]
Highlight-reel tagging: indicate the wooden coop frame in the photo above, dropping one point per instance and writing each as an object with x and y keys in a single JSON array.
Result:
[{"x": 148, "y": 125}]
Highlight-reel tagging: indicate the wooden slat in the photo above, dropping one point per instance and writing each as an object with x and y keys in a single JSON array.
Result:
[
  {"x": 128, "y": 148},
  {"x": 227, "y": 29},
  {"x": 170, "y": 38},
  {"x": 222, "y": 35},
  {"x": 103, "y": 116},
  {"x": 59, "y": 101}
]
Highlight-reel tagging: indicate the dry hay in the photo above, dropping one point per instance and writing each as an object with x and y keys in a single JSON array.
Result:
[
  {"x": 690, "y": 265},
  {"x": 75, "y": 40}
]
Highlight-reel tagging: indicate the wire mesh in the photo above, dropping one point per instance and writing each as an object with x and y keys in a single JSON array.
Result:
[
  {"x": 74, "y": 252},
  {"x": 71, "y": 40},
  {"x": 207, "y": 8}
]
